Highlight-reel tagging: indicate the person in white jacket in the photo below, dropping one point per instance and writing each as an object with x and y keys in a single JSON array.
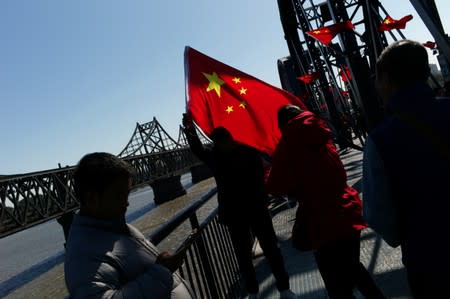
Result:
[{"x": 105, "y": 256}]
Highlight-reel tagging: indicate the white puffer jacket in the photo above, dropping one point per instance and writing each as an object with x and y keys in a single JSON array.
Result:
[{"x": 111, "y": 259}]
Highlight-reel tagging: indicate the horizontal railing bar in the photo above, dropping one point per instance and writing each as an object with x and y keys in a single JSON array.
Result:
[
  {"x": 20, "y": 176},
  {"x": 164, "y": 230}
]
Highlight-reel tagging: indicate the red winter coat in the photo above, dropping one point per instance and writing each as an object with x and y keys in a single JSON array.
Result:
[{"x": 306, "y": 165}]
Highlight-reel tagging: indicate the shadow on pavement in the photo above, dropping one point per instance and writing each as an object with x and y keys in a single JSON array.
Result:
[{"x": 305, "y": 278}]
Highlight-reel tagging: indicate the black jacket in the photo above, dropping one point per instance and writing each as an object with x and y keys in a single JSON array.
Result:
[{"x": 239, "y": 176}]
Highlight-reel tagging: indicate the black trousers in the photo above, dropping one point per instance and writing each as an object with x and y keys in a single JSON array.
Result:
[
  {"x": 428, "y": 285},
  {"x": 342, "y": 271},
  {"x": 241, "y": 235}
]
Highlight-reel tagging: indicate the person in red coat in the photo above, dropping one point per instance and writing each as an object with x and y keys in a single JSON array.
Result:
[{"x": 329, "y": 219}]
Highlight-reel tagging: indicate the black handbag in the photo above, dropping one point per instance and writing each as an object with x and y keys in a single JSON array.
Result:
[{"x": 300, "y": 236}]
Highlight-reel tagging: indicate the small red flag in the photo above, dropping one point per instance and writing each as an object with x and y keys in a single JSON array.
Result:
[
  {"x": 429, "y": 44},
  {"x": 219, "y": 95},
  {"x": 327, "y": 33},
  {"x": 345, "y": 93},
  {"x": 347, "y": 76},
  {"x": 309, "y": 78},
  {"x": 389, "y": 23}
]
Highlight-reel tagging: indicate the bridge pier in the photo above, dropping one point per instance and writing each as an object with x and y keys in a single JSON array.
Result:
[
  {"x": 167, "y": 189},
  {"x": 200, "y": 173}
]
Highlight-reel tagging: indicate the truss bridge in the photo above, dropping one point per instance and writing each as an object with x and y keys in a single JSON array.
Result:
[
  {"x": 159, "y": 160},
  {"x": 342, "y": 90}
]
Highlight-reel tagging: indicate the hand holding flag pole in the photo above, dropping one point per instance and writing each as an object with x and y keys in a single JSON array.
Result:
[{"x": 188, "y": 123}]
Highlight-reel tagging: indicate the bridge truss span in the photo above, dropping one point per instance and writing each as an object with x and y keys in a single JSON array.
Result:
[
  {"x": 343, "y": 91},
  {"x": 33, "y": 198}
]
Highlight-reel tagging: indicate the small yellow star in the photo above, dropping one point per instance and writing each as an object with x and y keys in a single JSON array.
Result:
[
  {"x": 229, "y": 109},
  {"x": 214, "y": 82},
  {"x": 243, "y": 90},
  {"x": 236, "y": 80},
  {"x": 243, "y": 104}
]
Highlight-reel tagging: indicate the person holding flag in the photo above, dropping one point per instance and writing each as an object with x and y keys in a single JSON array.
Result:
[{"x": 238, "y": 112}]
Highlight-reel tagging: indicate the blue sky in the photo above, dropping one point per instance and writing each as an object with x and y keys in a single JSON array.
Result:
[{"x": 76, "y": 76}]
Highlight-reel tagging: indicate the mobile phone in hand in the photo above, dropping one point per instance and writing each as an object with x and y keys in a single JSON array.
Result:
[{"x": 189, "y": 240}]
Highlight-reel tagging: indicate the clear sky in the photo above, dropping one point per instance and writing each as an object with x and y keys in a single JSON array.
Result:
[{"x": 76, "y": 76}]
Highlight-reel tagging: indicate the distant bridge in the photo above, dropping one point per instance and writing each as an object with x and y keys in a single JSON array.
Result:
[{"x": 159, "y": 160}]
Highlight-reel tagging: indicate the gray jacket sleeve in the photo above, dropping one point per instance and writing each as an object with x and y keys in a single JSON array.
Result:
[
  {"x": 379, "y": 209},
  {"x": 101, "y": 280}
]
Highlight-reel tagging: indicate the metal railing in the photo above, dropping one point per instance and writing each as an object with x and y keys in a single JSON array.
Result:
[{"x": 210, "y": 266}]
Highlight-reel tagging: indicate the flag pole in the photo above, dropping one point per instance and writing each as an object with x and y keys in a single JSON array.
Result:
[{"x": 186, "y": 77}]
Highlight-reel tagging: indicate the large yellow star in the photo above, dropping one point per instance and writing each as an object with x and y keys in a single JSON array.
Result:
[
  {"x": 243, "y": 90},
  {"x": 229, "y": 109},
  {"x": 214, "y": 82},
  {"x": 243, "y": 104},
  {"x": 236, "y": 80}
]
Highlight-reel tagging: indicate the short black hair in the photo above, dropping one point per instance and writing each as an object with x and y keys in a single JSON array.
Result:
[
  {"x": 286, "y": 113},
  {"x": 96, "y": 170},
  {"x": 220, "y": 134},
  {"x": 405, "y": 62}
]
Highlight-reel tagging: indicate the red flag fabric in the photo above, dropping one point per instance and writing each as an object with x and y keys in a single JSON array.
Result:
[
  {"x": 309, "y": 78},
  {"x": 389, "y": 23},
  {"x": 347, "y": 76},
  {"x": 220, "y": 95},
  {"x": 429, "y": 44},
  {"x": 327, "y": 33}
]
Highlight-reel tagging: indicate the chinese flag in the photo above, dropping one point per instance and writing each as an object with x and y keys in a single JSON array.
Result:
[
  {"x": 309, "y": 78},
  {"x": 347, "y": 76},
  {"x": 327, "y": 33},
  {"x": 431, "y": 45},
  {"x": 219, "y": 95},
  {"x": 389, "y": 23}
]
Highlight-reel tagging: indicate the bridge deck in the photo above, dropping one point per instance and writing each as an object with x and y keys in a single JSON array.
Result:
[{"x": 381, "y": 260}]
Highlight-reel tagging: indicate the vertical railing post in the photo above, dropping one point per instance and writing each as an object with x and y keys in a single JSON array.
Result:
[{"x": 204, "y": 258}]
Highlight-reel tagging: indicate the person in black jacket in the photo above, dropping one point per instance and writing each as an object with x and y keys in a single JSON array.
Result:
[{"x": 239, "y": 174}]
